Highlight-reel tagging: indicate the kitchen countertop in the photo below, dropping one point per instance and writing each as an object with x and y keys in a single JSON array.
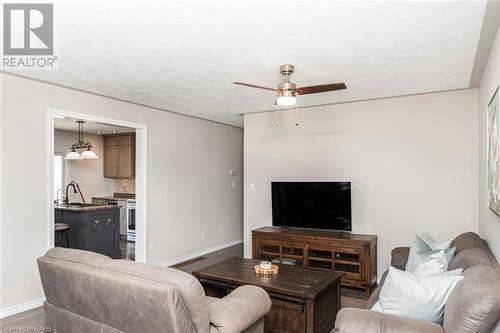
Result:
[
  {"x": 116, "y": 196},
  {"x": 107, "y": 197},
  {"x": 86, "y": 208}
]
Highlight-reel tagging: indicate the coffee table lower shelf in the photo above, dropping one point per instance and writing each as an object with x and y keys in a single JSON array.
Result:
[{"x": 310, "y": 307}]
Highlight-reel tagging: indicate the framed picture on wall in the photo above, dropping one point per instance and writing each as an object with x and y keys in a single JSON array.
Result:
[{"x": 494, "y": 154}]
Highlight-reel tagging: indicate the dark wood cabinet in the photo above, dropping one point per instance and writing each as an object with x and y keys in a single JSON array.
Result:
[
  {"x": 353, "y": 255},
  {"x": 119, "y": 155}
]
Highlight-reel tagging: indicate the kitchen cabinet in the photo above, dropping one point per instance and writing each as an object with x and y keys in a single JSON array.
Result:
[
  {"x": 119, "y": 202},
  {"x": 92, "y": 228},
  {"x": 119, "y": 155},
  {"x": 101, "y": 233}
]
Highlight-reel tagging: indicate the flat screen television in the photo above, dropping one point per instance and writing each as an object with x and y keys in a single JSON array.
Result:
[{"x": 313, "y": 205}]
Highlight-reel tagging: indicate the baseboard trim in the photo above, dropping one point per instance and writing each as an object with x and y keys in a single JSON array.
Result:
[
  {"x": 15, "y": 309},
  {"x": 200, "y": 253}
]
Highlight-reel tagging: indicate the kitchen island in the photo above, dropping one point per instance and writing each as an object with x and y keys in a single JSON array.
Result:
[{"x": 91, "y": 227}]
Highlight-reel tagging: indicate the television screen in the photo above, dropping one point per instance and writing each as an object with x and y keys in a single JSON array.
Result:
[{"x": 317, "y": 205}]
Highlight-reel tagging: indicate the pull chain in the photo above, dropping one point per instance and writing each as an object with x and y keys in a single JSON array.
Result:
[
  {"x": 277, "y": 117},
  {"x": 296, "y": 115}
]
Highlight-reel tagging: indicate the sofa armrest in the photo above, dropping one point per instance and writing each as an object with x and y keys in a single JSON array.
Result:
[
  {"x": 351, "y": 320},
  {"x": 399, "y": 257},
  {"x": 239, "y": 310}
]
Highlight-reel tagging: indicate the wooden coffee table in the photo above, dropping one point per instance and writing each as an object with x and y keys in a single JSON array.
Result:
[{"x": 303, "y": 299}]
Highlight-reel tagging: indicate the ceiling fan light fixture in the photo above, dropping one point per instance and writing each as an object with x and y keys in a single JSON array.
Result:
[
  {"x": 286, "y": 98},
  {"x": 287, "y": 91},
  {"x": 286, "y": 101}
]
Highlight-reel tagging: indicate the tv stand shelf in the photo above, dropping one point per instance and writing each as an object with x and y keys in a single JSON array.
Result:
[{"x": 354, "y": 255}]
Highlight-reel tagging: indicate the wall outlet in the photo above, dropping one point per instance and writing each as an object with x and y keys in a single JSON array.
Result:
[
  {"x": 252, "y": 187},
  {"x": 203, "y": 235},
  {"x": 151, "y": 246}
]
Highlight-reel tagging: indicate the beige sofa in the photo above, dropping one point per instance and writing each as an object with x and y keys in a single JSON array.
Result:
[
  {"x": 89, "y": 292},
  {"x": 473, "y": 306}
]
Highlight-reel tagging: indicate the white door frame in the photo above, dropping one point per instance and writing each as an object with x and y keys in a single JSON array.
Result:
[{"x": 140, "y": 174}]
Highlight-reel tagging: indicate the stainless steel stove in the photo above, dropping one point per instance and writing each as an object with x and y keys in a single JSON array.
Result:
[{"x": 131, "y": 220}]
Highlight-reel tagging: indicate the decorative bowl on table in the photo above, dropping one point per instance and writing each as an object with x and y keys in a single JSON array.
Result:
[{"x": 266, "y": 268}]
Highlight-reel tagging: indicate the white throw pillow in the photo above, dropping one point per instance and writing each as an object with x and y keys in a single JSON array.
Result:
[
  {"x": 443, "y": 245},
  {"x": 435, "y": 263},
  {"x": 416, "y": 297}
]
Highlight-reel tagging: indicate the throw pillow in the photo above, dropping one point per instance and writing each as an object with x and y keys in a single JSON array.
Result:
[
  {"x": 435, "y": 263},
  {"x": 416, "y": 297},
  {"x": 455, "y": 272},
  {"x": 420, "y": 250},
  {"x": 450, "y": 253},
  {"x": 443, "y": 245}
]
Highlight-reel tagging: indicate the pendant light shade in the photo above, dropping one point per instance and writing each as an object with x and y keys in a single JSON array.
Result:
[
  {"x": 89, "y": 154},
  {"x": 72, "y": 155},
  {"x": 80, "y": 144}
]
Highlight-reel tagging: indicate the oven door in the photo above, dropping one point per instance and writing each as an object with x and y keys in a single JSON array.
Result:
[{"x": 131, "y": 223}]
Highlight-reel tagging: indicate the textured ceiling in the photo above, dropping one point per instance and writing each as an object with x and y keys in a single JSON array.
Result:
[{"x": 184, "y": 56}]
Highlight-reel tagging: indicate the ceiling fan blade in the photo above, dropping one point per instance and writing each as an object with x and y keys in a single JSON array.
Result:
[
  {"x": 254, "y": 86},
  {"x": 320, "y": 88}
]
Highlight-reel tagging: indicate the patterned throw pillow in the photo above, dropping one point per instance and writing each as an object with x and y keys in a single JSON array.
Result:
[
  {"x": 435, "y": 263},
  {"x": 421, "y": 250}
]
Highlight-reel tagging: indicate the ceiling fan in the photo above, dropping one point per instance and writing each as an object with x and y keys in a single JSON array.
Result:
[{"x": 287, "y": 91}]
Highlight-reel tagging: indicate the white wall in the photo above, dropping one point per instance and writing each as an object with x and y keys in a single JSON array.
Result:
[
  {"x": 412, "y": 162},
  {"x": 489, "y": 223},
  {"x": 189, "y": 183},
  {"x": 87, "y": 173}
]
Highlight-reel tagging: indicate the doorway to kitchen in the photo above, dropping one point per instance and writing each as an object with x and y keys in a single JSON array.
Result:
[{"x": 97, "y": 184}]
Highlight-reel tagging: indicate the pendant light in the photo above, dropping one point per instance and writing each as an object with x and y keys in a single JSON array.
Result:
[
  {"x": 89, "y": 154},
  {"x": 80, "y": 144},
  {"x": 72, "y": 155}
]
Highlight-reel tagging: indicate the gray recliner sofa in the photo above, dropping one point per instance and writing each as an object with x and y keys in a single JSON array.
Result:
[
  {"x": 89, "y": 292},
  {"x": 473, "y": 305}
]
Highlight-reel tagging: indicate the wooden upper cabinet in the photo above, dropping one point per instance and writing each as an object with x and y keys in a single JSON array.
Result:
[
  {"x": 119, "y": 155},
  {"x": 119, "y": 140},
  {"x": 111, "y": 159},
  {"x": 126, "y": 160}
]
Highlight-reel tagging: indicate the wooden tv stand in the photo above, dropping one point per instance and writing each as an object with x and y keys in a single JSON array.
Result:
[{"x": 353, "y": 255}]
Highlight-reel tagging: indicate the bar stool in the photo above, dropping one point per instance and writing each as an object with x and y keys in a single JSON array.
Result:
[{"x": 62, "y": 234}]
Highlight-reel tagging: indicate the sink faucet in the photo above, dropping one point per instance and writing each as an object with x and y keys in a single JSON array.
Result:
[{"x": 72, "y": 184}]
